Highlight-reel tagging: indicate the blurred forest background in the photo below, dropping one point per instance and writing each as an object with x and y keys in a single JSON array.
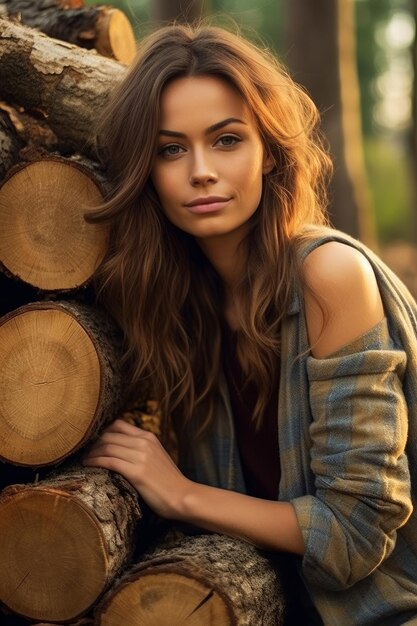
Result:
[{"x": 357, "y": 60}]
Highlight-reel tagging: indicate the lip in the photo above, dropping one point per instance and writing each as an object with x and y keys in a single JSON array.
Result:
[{"x": 207, "y": 204}]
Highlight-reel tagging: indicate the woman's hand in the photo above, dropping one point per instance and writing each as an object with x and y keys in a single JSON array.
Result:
[{"x": 139, "y": 456}]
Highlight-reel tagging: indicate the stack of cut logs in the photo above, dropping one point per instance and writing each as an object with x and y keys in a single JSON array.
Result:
[{"x": 67, "y": 532}]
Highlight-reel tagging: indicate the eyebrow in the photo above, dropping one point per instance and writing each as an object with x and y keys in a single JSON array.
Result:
[{"x": 210, "y": 129}]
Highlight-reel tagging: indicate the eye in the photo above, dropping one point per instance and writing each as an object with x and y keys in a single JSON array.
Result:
[
  {"x": 172, "y": 149},
  {"x": 227, "y": 141}
]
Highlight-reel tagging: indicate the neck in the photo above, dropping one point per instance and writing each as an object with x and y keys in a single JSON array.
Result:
[{"x": 226, "y": 255}]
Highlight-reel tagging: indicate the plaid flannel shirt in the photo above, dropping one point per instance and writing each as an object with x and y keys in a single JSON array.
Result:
[{"x": 347, "y": 429}]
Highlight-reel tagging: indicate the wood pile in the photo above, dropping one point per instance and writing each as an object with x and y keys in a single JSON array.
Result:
[
  {"x": 74, "y": 547},
  {"x": 59, "y": 379},
  {"x": 63, "y": 541},
  {"x": 60, "y": 374},
  {"x": 196, "y": 580},
  {"x": 44, "y": 239},
  {"x": 103, "y": 28}
]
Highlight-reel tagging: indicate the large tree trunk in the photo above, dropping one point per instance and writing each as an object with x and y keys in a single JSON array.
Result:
[
  {"x": 205, "y": 580},
  {"x": 179, "y": 10},
  {"x": 60, "y": 379},
  {"x": 101, "y": 27},
  {"x": 44, "y": 238},
  {"x": 321, "y": 55},
  {"x": 52, "y": 78},
  {"x": 63, "y": 541}
]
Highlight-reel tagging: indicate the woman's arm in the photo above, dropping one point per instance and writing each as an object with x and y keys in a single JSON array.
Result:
[
  {"x": 265, "y": 523},
  {"x": 360, "y": 422},
  {"x": 141, "y": 459}
]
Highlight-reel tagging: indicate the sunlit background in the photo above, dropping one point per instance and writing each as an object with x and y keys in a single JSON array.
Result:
[{"x": 384, "y": 41}]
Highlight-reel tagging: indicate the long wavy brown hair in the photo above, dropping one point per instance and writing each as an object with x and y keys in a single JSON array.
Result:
[{"x": 155, "y": 279}]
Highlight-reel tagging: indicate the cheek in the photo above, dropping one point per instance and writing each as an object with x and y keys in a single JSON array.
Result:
[
  {"x": 167, "y": 191},
  {"x": 248, "y": 166},
  {"x": 248, "y": 178},
  {"x": 164, "y": 183}
]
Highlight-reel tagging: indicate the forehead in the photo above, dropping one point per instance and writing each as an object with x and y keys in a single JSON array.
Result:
[{"x": 201, "y": 99}]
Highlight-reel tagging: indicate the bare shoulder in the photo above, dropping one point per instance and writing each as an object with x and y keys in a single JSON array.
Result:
[
  {"x": 342, "y": 299},
  {"x": 334, "y": 262}
]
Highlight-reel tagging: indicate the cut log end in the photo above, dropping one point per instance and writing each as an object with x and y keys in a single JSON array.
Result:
[
  {"x": 49, "y": 373},
  {"x": 115, "y": 36},
  {"x": 64, "y": 539},
  {"x": 166, "y": 599},
  {"x": 48, "y": 571},
  {"x": 199, "y": 580},
  {"x": 44, "y": 238}
]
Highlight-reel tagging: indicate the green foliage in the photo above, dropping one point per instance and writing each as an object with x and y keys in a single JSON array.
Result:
[
  {"x": 390, "y": 188},
  {"x": 137, "y": 11},
  {"x": 372, "y": 55},
  {"x": 258, "y": 20}
]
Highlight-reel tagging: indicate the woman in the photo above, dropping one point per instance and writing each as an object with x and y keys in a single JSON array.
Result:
[{"x": 285, "y": 351}]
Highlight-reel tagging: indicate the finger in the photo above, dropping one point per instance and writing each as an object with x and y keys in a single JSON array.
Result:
[
  {"x": 120, "y": 426},
  {"x": 121, "y": 439},
  {"x": 113, "y": 451}
]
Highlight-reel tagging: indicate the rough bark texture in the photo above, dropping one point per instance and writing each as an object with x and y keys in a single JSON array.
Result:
[
  {"x": 36, "y": 377},
  {"x": 32, "y": 153},
  {"x": 236, "y": 571},
  {"x": 146, "y": 414},
  {"x": 32, "y": 134},
  {"x": 46, "y": 4},
  {"x": 80, "y": 622},
  {"x": 10, "y": 143},
  {"x": 63, "y": 82},
  {"x": 101, "y": 27},
  {"x": 81, "y": 522}
]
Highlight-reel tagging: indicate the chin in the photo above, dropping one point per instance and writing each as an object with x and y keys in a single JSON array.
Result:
[{"x": 205, "y": 233}]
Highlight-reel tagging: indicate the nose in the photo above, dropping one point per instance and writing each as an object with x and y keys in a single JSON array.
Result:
[{"x": 202, "y": 171}]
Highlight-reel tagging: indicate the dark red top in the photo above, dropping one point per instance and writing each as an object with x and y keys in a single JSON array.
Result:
[{"x": 258, "y": 449}]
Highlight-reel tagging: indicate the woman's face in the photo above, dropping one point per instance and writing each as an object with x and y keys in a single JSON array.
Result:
[{"x": 210, "y": 158}]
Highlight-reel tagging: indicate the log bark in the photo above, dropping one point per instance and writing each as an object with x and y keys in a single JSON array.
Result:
[
  {"x": 101, "y": 27},
  {"x": 10, "y": 143},
  {"x": 61, "y": 4},
  {"x": 145, "y": 413},
  {"x": 63, "y": 541},
  {"x": 80, "y": 622},
  {"x": 66, "y": 84},
  {"x": 198, "y": 580},
  {"x": 44, "y": 238},
  {"x": 31, "y": 131},
  {"x": 61, "y": 380}
]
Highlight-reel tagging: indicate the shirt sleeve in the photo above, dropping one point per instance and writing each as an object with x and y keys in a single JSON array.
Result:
[{"x": 358, "y": 437}]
